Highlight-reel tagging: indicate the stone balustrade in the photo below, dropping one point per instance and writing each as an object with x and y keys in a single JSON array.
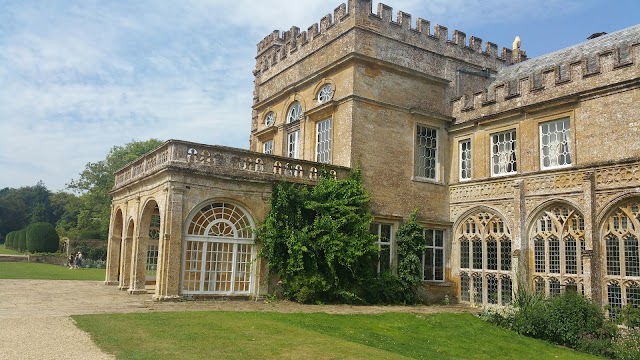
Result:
[{"x": 223, "y": 161}]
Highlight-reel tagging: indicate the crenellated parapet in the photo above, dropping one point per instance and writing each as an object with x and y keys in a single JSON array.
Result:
[
  {"x": 280, "y": 49},
  {"x": 527, "y": 84}
]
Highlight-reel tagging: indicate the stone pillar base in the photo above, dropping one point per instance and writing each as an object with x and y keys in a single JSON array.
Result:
[
  {"x": 136, "y": 291},
  {"x": 123, "y": 288},
  {"x": 111, "y": 283},
  {"x": 167, "y": 298}
]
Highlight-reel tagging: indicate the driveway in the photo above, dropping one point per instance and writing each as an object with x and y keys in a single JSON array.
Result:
[{"x": 34, "y": 314}]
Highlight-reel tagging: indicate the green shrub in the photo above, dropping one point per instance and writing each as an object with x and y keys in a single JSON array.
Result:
[
  {"x": 564, "y": 319},
  {"x": 90, "y": 235},
  {"x": 97, "y": 253},
  {"x": 22, "y": 240},
  {"x": 9, "y": 240},
  {"x": 316, "y": 240},
  {"x": 630, "y": 316},
  {"x": 627, "y": 345},
  {"x": 42, "y": 237}
]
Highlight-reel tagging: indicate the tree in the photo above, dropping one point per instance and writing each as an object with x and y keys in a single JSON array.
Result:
[
  {"x": 42, "y": 237},
  {"x": 95, "y": 183}
]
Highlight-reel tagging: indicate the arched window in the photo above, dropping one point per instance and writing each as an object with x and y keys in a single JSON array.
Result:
[
  {"x": 485, "y": 253},
  {"x": 295, "y": 112},
  {"x": 270, "y": 119},
  {"x": 219, "y": 251},
  {"x": 325, "y": 94},
  {"x": 557, "y": 238},
  {"x": 620, "y": 232}
]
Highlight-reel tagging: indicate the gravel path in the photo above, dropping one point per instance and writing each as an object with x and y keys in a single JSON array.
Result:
[{"x": 34, "y": 314}]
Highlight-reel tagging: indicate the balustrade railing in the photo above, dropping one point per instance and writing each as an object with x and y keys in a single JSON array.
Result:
[{"x": 225, "y": 160}]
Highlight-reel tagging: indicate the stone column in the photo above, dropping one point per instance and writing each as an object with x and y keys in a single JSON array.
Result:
[
  {"x": 113, "y": 257},
  {"x": 125, "y": 266},
  {"x": 113, "y": 253},
  {"x": 590, "y": 256},
  {"x": 169, "y": 263},
  {"x": 520, "y": 253},
  {"x": 139, "y": 264}
]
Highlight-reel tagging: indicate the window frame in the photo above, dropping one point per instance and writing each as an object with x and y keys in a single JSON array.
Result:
[
  {"x": 468, "y": 160},
  {"x": 434, "y": 247},
  {"x": 325, "y": 156},
  {"x": 295, "y": 152},
  {"x": 566, "y": 139},
  {"x": 513, "y": 152},
  {"x": 265, "y": 146},
  {"x": 295, "y": 106},
  {"x": 416, "y": 148},
  {"x": 390, "y": 242}
]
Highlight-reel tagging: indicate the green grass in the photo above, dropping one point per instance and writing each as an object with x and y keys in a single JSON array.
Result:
[
  {"x": 236, "y": 335},
  {"x": 4, "y": 250},
  {"x": 25, "y": 270}
]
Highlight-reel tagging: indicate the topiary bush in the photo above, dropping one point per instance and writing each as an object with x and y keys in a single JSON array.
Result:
[
  {"x": 9, "y": 240},
  {"x": 22, "y": 240},
  {"x": 42, "y": 237}
]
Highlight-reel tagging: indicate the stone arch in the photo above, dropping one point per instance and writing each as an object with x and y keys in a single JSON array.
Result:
[
  {"x": 287, "y": 104},
  {"x": 619, "y": 245},
  {"x": 114, "y": 256},
  {"x": 557, "y": 238},
  {"x": 127, "y": 256},
  {"x": 149, "y": 235},
  {"x": 482, "y": 238},
  {"x": 219, "y": 251}
]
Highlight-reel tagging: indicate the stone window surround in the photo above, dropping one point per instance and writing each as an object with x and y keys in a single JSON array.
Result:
[
  {"x": 572, "y": 140},
  {"x": 439, "y": 126},
  {"x": 469, "y": 154}
]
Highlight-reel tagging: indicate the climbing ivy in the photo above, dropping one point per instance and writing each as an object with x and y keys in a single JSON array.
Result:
[
  {"x": 411, "y": 244},
  {"x": 316, "y": 240}
]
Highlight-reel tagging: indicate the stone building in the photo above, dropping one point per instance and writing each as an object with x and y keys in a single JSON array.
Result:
[{"x": 525, "y": 172}]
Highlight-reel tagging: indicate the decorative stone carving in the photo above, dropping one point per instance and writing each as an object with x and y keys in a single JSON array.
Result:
[
  {"x": 481, "y": 191},
  {"x": 618, "y": 176},
  {"x": 544, "y": 184}
]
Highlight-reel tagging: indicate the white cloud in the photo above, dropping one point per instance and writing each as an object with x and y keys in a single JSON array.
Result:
[{"x": 78, "y": 77}]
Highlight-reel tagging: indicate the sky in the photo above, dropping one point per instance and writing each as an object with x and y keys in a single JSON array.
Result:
[{"x": 78, "y": 77}]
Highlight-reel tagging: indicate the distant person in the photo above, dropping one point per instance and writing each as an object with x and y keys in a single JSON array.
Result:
[
  {"x": 79, "y": 260},
  {"x": 71, "y": 261}
]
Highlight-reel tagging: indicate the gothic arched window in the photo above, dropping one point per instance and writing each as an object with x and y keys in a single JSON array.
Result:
[{"x": 485, "y": 259}]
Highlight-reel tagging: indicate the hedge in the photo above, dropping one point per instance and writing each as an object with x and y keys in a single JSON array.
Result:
[
  {"x": 22, "y": 240},
  {"x": 42, "y": 237}
]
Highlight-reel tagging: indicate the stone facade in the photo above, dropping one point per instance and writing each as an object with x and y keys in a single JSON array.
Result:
[{"x": 522, "y": 169}]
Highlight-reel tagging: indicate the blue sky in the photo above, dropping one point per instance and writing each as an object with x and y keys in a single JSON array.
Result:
[{"x": 78, "y": 77}]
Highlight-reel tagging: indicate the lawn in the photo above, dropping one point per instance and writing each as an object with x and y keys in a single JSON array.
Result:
[
  {"x": 4, "y": 250},
  {"x": 25, "y": 270},
  {"x": 242, "y": 335}
]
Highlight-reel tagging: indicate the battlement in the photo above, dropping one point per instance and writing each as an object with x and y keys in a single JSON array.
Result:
[
  {"x": 617, "y": 65},
  {"x": 280, "y": 49}
]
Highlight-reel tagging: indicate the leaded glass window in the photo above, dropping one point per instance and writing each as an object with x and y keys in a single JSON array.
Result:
[
  {"x": 555, "y": 141},
  {"x": 433, "y": 257},
  {"x": 554, "y": 287},
  {"x": 465, "y": 160},
  {"x": 323, "y": 141},
  {"x": 557, "y": 238},
  {"x": 464, "y": 287},
  {"x": 506, "y": 290},
  {"x": 270, "y": 119},
  {"x": 538, "y": 286},
  {"x": 477, "y": 289},
  {"x": 293, "y": 144},
  {"x": 325, "y": 94},
  {"x": 614, "y": 297},
  {"x": 267, "y": 147},
  {"x": 485, "y": 246},
  {"x": 464, "y": 254},
  {"x": 613, "y": 256},
  {"x": 384, "y": 234},
  {"x": 295, "y": 112},
  {"x": 503, "y": 153},
  {"x": 426, "y": 152},
  {"x": 620, "y": 233}
]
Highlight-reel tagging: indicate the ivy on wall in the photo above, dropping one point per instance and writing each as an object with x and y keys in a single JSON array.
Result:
[{"x": 316, "y": 241}]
